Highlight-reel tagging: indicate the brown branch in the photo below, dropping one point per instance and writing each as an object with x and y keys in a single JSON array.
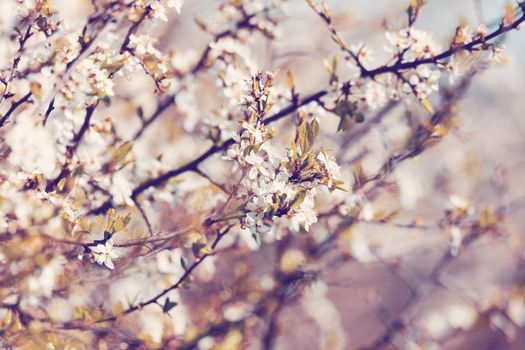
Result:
[
  {"x": 72, "y": 148},
  {"x": 417, "y": 145},
  {"x": 13, "y": 108},
  {"x": 97, "y": 20},
  {"x": 176, "y": 285},
  {"x": 211, "y": 181},
  {"x": 288, "y": 289},
  {"x": 133, "y": 29},
  {"x": 169, "y": 101},
  {"x": 192, "y": 165},
  {"x": 244, "y": 23},
  {"x": 201, "y": 64},
  {"x": 363, "y": 130},
  {"x": 471, "y": 46},
  {"x": 144, "y": 216},
  {"x": 399, "y": 65},
  {"x": 16, "y": 61}
]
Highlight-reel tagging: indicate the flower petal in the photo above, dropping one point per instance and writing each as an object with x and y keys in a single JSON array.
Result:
[{"x": 109, "y": 264}]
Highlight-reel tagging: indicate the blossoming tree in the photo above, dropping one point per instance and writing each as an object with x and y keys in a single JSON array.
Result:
[{"x": 172, "y": 177}]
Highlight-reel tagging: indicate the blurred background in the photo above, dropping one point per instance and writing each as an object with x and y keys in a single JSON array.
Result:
[{"x": 393, "y": 278}]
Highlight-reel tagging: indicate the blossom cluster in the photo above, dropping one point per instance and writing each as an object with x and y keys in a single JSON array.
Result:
[{"x": 277, "y": 185}]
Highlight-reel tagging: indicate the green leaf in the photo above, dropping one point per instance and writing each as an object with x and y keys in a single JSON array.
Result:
[
  {"x": 290, "y": 80},
  {"x": 345, "y": 122},
  {"x": 119, "y": 154},
  {"x": 295, "y": 153},
  {"x": 298, "y": 200},
  {"x": 359, "y": 118},
  {"x": 65, "y": 185},
  {"x": 247, "y": 151},
  {"x": 303, "y": 141},
  {"x": 113, "y": 67},
  {"x": 183, "y": 263},
  {"x": 199, "y": 249},
  {"x": 107, "y": 100},
  {"x": 312, "y": 129},
  {"x": 346, "y": 111},
  {"x": 168, "y": 305},
  {"x": 121, "y": 222},
  {"x": 111, "y": 213},
  {"x": 41, "y": 22}
]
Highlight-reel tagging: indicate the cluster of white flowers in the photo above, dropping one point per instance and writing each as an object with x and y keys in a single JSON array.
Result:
[
  {"x": 42, "y": 283},
  {"x": 412, "y": 44},
  {"x": 90, "y": 78},
  {"x": 89, "y": 81},
  {"x": 274, "y": 185},
  {"x": 375, "y": 95},
  {"x": 408, "y": 46},
  {"x": 121, "y": 189},
  {"x": 67, "y": 49},
  {"x": 423, "y": 82},
  {"x": 33, "y": 147},
  {"x": 159, "y": 9},
  {"x": 228, "y": 59},
  {"x": 66, "y": 209},
  {"x": 154, "y": 62}
]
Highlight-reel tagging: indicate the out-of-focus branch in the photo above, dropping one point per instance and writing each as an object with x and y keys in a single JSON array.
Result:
[
  {"x": 98, "y": 22},
  {"x": 187, "y": 273},
  {"x": 170, "y": 100},
  {"x": 16, "y": 61},
  {"x": 73, "y": 147},
  {"x": 14, "y": 106}
]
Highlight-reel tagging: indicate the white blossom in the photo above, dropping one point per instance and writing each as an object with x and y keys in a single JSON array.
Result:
[
  {"x": 256, "y": 224},
  {"x": 105, "y": 254},
  {"x": 258, "y": 165},
  {"x": 121, "y": 189},
  {"x": 375, "y": 95},
  {"x": 33, "y": 148},
  {"x": 306, "y": 215},
  {"x": 176, "y": 4}
]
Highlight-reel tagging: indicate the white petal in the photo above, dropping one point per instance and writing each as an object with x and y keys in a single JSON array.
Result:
[
  {"x": 264, "y": 171},
  {"x": 100, "y": 259},
  {"x": 100, "y": 249},
  {"x": 253, "y": 173},
  {"x": 109, "y": 264}
]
